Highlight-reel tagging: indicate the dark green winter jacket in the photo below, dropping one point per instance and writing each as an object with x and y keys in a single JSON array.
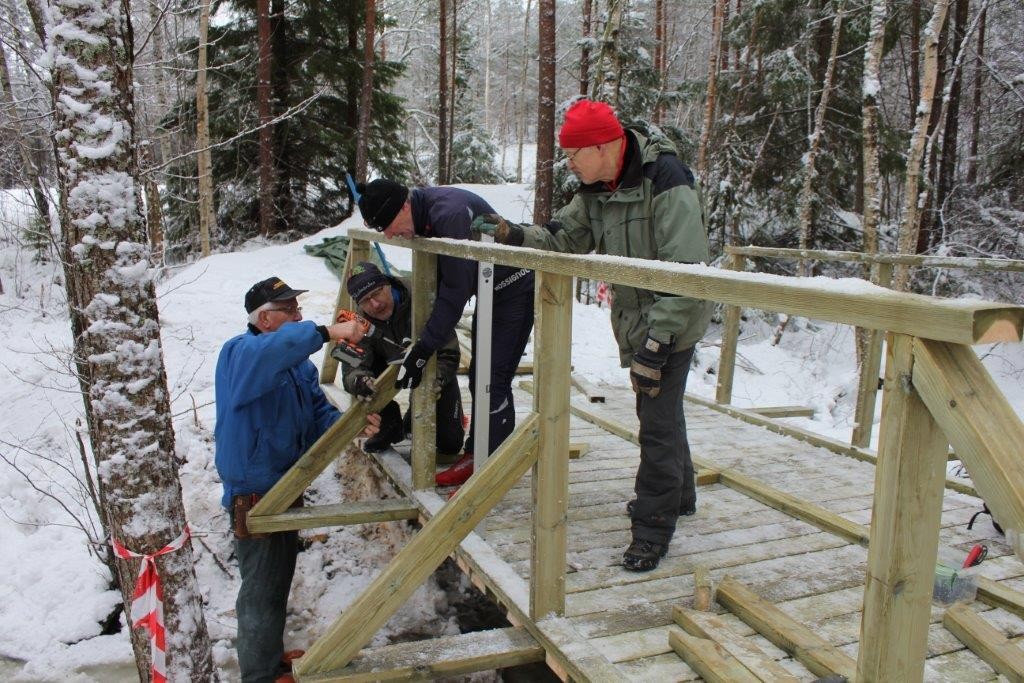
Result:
[
  {"x": 384, "y": 345},
  {"x": 655, "y": 212}
]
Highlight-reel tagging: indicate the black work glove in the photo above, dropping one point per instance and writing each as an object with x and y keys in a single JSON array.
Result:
[
  {"x": 411, "y": 372},
  {"x": 503, "y": 231},
  {"x": 363, "y": 389},
  {"x": 645, "y": 370}
]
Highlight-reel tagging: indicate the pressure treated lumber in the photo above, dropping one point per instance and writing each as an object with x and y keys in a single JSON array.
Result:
[
  {"x": 337, "y": 514},
  {"x": 550, "y": 480},
  {"x": 709, "y": 659},
  {"x": 427, "y": 660},
  {"x": 986, "y": 641},
  {"x": 730, "y": 340},
  {"x": 805, "y": 435},
  {"x": 424, "y": 553},
  {"x": 422, "y": 402},
  {"x": 703, "y": 590},
  {"x": 984, "y": 430},
  {"x": 950, "y": 262},
  {"x": 905, "y": 522},
  {"x": 871, "y": 364},
  {"x": 749, "y": 655},
  {"x": 997, "y": 595},
  {"x": 358, "y": 250},
  {"x": 819, "y": 656},
  {"x": 327, "y": 448},
  {"x": 850, "y": 301},
  {"x": 586, "y": 387},
  {"x": 775, "y": 412}
]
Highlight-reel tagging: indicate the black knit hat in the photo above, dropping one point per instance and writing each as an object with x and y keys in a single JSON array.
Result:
[
  {"x": 271, "y": 289},
  {"x": 380, "y": 202},
  {"x": 365, "y": 278}
]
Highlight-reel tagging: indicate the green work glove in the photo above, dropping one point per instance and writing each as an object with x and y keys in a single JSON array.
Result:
[{"x": 502, "y": 231}]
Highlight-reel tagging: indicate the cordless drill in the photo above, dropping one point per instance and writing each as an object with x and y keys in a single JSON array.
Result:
[{"x": 347, "y": 352}]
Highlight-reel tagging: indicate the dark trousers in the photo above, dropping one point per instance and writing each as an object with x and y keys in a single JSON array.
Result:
[
  {"x": 266, "y": 566},
  {"x": 512, "y": 321},
  {"x": 449, "y": 428},
  {"x": 664, "y": 480}
]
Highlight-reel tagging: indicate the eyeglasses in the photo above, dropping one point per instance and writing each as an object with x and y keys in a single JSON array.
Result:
[
  {"x": 376, "y": 295},
  {"x": 290, "y": 310},
  {"x": 571, "y": 158}
]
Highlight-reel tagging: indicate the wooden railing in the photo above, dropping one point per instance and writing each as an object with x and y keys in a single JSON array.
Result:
[
  {"x": 936, "y": 393},
  {"x": 881, "y": 270}
]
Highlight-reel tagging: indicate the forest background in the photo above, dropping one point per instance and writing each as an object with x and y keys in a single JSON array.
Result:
[{"x": 876, "y": 127}]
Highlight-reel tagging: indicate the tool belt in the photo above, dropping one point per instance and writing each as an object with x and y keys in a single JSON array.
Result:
[{"x": 240, "y": 506}]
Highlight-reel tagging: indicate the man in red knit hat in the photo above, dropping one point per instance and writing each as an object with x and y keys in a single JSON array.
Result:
[{"x": 636, "y": 199}]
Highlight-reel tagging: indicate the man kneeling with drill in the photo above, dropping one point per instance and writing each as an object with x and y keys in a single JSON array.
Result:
[{"x": 385, "y": 302}]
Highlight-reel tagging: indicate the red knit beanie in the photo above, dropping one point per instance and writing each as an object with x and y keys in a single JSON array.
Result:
[{"x": 589, "y": 123}]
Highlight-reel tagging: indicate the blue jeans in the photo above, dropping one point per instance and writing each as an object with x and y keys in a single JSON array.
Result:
[{"x": 266, "y": 566}]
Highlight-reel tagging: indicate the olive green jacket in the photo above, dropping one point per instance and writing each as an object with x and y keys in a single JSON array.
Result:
[{"x": 656, "y": 212}]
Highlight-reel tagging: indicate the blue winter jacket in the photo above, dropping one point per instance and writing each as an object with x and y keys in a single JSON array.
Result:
[
  {"x": 448, "y": 212},
  {"x": 270, "y": 407}
]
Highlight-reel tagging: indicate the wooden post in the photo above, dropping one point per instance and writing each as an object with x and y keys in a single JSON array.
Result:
[
  {"x": 423, "y": 404},
  {"x": 867, "y": 387},
  {"x": 909, "y": 484},
  {"x": 423, "y": 554},
  {"x": 985, "y": 431},
  {"x": 730, "y": 340},
  {"x": 552, "y": 339},
  {"x": 358, "y": 250}
]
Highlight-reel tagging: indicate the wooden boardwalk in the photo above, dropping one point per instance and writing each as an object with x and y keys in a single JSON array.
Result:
[{"x": 617, "y": 623}]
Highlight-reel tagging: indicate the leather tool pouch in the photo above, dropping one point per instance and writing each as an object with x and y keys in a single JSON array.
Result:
[{"x": 240, "y": 506}]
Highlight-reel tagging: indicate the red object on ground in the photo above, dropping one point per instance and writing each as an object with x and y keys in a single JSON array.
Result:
[{"x": 457, "y": 474}]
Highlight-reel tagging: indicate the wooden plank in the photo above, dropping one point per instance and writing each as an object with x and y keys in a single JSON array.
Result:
[
  {"x": 775, "y": 412},
  {"x": 844, "y": 300},
  {"x": 550, "y": 480},
  {"x": 985, "y": 431},
  {"x": 805, "y": 435},
  {"x": 819, "y": 656},
  {"x": 423, "y": 404},
  {"x": 703, "y": 591},
  {"x": 730, "y": 340},
  {"x": 338, "y": 514},
  {"x": 358, "y": 250},
  {"x": 952, "y": 262},
  {"x": 438, "y": 658},
  {"x": 904, "y": 527},
  {"x": 749, "y": 655},
  {"x": 997, "y": 595},
  {"x": 985, "y": 641},
  {"x": 577, "y": 450},
  {"x": 709, "y": 659},
  {"x": 329, "y": 446},
  {"x": 422, "y": 555},
  {"x": 867, "y": 383},
  {"x": 588, "y": 388}
]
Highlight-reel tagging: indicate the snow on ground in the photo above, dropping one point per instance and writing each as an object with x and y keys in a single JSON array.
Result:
[{"x": 54, "y": 590}]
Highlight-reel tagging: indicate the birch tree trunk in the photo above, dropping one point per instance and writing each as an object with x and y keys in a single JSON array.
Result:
[
  {"x": 588, "y": 9},
  {"x": 109, "y": 273},
  {"x": 910, "y": 224},
  {"x": 366, "y": 91},
  {"x": 545, "y": 110},
  {"x": 872, "y": 86},
  {"x": 951, "y": 126},
  {"x": 807, "y": 192},
  {"x": 607, "y": 79},
  {"x": 709, "y": 103},
  {"x": 207, "y": 214}
]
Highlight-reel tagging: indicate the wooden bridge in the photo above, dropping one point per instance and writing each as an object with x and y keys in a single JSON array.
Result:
[{"x": 802, "y": 586}]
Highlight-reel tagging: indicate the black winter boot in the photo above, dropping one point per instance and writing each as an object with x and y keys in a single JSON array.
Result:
[{"x": 643, "y": 556}]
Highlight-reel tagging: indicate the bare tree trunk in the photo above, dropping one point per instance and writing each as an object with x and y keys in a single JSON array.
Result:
[
  {"x": 545, "y": 110},
  {"x": 453, "y": 86},
  {"x": 366, "y": 92},
  {"x": 807, "y": 192},
  {"x": 709, "y": 103},
  {"x": 659, "y": 55},
  {"x": 914, "y": 85},
  {"x": 522, "y": 109},
  {"x": 872, "y": 86},
  {"x": 929, "y": 172},
  {"x": 109, "y": 274},
  {"x": 979, "y": 76},
  {"x": 487, "y": 66},
  {"x": 588, "y": 10},
  {"x": 207, "y": 214},
  {"x": 912, "y": 200},
  {"x": 443, "y": 172},
  {"x": 608, "y": 79},
  {"x": 31, "y": 170},
  {"x": 266, "y": 143},
  {"x": 947, "y": 165}
]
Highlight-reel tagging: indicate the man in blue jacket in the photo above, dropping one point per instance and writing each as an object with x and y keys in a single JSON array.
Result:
[
  {"x": 397, "y": 211},
  {"x": 270, "y": 410}
]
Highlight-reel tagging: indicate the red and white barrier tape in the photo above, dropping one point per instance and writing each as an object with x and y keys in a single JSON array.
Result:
[{"x": 148, "y": 602}]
